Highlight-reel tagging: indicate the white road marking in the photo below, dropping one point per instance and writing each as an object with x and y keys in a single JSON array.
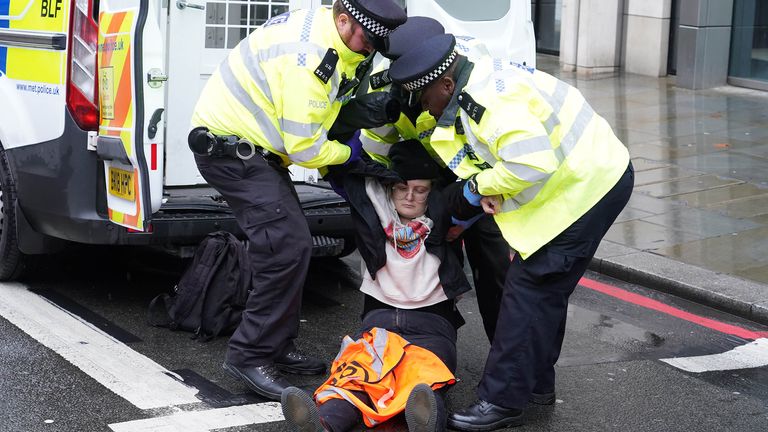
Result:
[
  {"x": 130, "y": 375},
  {"x": 204, "y": 421},
  {"x": 751, "y": 355}
]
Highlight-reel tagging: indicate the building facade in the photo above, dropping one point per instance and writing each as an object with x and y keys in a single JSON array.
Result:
[{"x": 706, "y": 43}]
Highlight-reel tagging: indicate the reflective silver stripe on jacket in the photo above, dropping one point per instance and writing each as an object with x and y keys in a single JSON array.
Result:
[
  {"x": 311, "y": 152},
  {"x": 480, "y": 148},
  {"x": 379, "y": 347},
  {"x": 253, "y": 66},
  {"x": 269, "y": 130},
  {"x": 525, "y": 146},
  {"x": 374, "y": 146},
  {"x": 525, "y": 196},
  {"x": 304, "y": 130}
]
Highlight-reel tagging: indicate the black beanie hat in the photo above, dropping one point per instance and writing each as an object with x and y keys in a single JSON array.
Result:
[{"x": 412, "y": 161}]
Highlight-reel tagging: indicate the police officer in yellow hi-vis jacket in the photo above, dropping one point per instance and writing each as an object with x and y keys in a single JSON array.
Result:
[
  {"x": 275, "y": 96},
  {"x": 555, "y": 177}
]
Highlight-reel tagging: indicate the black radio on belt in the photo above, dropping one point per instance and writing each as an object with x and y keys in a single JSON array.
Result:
[{"x": 203, "y": 143}]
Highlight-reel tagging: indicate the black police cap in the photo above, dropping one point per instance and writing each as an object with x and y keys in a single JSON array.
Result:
[
  {"x": 424, "y": 63},
  {"x": 417, "y": 28},
  {"x": 379, "y": 17},
  {"x": 411, "y": 161}
]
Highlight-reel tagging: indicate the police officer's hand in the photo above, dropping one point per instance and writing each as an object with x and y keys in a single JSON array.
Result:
[
  {"x": 491, "y": 204},
  {"x": 355, "y": 147}
]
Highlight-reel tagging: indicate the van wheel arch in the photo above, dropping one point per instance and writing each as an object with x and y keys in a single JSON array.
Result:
[{"x": 13, "y": 262}]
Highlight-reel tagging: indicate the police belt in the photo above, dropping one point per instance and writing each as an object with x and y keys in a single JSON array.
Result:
[{"x": 204, "y": 143}]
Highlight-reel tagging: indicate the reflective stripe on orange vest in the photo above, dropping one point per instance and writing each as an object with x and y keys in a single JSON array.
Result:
[{"x": 384, "y": 366}]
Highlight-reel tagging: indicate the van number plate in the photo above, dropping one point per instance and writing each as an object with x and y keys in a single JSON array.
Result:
[{"x": 121, "y": 183}]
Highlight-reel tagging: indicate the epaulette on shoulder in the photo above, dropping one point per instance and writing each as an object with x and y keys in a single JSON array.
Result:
[
  {"x": 380, "y": 79},
  {"x": 472, "y": 108},
  {"x": 324, "y": 72}
]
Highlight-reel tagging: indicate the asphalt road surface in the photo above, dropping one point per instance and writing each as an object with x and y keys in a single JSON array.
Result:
[{"x": 78, "y": 355}]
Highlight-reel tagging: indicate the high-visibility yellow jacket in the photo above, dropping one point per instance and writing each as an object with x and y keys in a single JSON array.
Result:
[
  {"x": 535, "y": 141},
  {"x": 377, "y": 142},
  {"x": 276, "y": 88},
  {"x": 384, "y": 366}
]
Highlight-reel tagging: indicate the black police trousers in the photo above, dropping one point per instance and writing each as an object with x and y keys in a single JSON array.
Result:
[
  {"x": 534, "y": 304},
  {"x": 423, "y": 329},
  {"x": 488, "y": 257},
  {"x": 267, "y": 209}
]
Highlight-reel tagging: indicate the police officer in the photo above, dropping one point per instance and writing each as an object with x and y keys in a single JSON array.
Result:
[
  {"x": 275, "y": 96},
  {"x": 487, "y": 251},
  {"x": 553, "y": 174}
]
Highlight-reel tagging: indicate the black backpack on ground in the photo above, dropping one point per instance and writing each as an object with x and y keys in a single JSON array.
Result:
[{"x": 211, "y": 294}]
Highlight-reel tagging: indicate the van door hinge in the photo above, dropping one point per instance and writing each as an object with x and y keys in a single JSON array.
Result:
[{"x": 156, "y": 78}]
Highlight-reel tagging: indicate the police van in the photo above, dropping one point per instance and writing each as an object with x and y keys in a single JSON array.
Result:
[{"x": 95, "y": 104}]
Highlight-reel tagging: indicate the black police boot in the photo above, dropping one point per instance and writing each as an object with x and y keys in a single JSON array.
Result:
[
  {"x": 264, "y": 380},
  {"x": 297, "y": 363},
  {"x": 421, "y": 409},
  {"x": 300, "y": 410},
  {"x": 485, "y": 416}
]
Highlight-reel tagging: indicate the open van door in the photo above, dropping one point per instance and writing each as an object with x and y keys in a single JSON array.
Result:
[
  {"x": 504, "y": 26},
  {"x": 200, "y": 35},
  {"x": 130, "y": 138}
]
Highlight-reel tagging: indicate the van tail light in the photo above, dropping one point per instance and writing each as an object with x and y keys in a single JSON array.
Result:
[{"x": 82, "y": 85}]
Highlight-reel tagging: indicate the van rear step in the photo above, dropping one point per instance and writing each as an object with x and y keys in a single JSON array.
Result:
[{"x": 324, "y": 246}]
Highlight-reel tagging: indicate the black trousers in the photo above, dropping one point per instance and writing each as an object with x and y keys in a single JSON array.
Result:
[
  {"x": 534, "y": 304},
  {"x": 488, "y": 256},
  {"x": 266, "y": 207},
  {"x": 423, "y": 329}
]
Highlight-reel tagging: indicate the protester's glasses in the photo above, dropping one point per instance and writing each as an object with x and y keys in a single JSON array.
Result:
[{"x": 418, "y": 193}]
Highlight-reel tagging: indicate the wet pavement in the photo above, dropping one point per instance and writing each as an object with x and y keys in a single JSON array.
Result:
[{"x": 697, "y": 223}]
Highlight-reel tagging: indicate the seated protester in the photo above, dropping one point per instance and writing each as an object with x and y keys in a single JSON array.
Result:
[{"x": 406, "y": 347}]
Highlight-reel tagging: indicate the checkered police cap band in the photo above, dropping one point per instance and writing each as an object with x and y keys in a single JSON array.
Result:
[
  {"x": 369, "y": 23},
  {"x": 432, "y": 75}
]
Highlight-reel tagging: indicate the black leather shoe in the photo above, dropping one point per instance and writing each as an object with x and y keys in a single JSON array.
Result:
[
  {"x": 300, "y": 410},
  {"x": 264, "y": 380},
  {"x": 297, "y": 363},
  {"x": 485, "y": 416},
  {"x": 547, "y": 398},
  {"x": 421, "y": 409}
]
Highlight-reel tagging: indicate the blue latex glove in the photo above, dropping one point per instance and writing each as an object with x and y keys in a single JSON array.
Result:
[
  {"x": 472, "y": 198},
  {"x": 355, "y": 147},
  {"x": 466, "y": 223},
  {"x": 339, "y": 189}
]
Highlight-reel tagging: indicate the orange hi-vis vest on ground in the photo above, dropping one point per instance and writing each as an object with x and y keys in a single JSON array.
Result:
[{"x": 384, "y": 366}]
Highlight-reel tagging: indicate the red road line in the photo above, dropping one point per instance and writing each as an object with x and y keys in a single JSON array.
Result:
[{"x": 669, "y": 310}]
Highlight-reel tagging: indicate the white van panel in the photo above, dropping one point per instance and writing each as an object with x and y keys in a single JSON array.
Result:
[
  {"x": 30, "y": 112},
  {"x": 507, "y": 35}
]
